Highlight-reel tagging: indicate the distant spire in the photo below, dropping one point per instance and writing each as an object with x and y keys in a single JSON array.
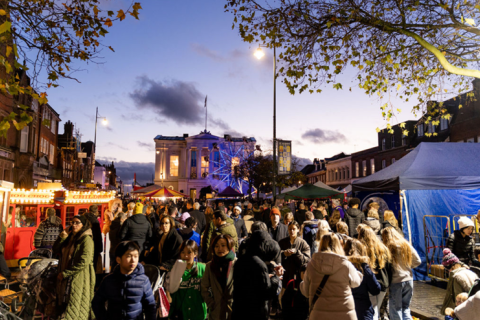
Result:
[{"x": 206, "y": 113}]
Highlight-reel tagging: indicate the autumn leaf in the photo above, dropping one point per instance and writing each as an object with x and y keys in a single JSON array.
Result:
[
  {"x": 108, "y": 22},
  {"x": 4, "y": 27},
  {"x": 8, "y": 51},
  {"x": 137, "y": 6},
  {"x": 121, "y": 14},
  {"x": 111, "y": 48},
  {"x": 2, "y": 12}
]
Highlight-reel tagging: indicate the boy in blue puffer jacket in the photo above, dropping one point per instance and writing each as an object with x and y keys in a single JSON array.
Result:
[{"x": 127, "y": 290}]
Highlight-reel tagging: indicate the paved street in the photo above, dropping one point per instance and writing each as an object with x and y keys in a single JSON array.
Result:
[{"x": 427, "y": 300}]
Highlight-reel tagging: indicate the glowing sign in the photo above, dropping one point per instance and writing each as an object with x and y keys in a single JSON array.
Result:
[
  {"x": 89, "y": 196},
  {"x": 31, "y": 196}
]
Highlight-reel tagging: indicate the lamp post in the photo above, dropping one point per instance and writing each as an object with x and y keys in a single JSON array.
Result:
[
  {"x": 96, "y": 120},
  {"x": 259, "y": 54}
]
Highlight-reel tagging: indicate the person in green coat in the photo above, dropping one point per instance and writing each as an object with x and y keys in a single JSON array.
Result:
[
  {"x": 183, "y": 284},
  {"x": 76, "y": 275}
]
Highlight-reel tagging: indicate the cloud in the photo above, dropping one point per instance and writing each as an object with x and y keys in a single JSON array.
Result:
[
  {"x": 219, "y": 123},
  {"x": 112, "y": 144},
  {"x": 149, "y": 146},
  {"x": 301, "y": 162},
  {"x": 204, "y": 51},
  {"x": 132, "y": 116},
  {"x": 174, "y": 100},
  {"x": 125, "y": 170},
  {"x": 320, "y": 136}
]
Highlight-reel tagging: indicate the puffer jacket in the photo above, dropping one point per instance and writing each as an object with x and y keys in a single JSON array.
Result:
[
  {"x": 460, "y": 280},
  {"x": 80, "y": 274},
  {"x": 240, "y": 227},
  {"x": 373, "y": 223},
  {"x": 463, "y": 248},
  {"x": 308, "y": 231},
  {"x": 129, "y": 297},
  {"x": 369, "y": 286},
  {"x": 336, "y": 301},
  {"x": 137, "y": 228},
  {"x": 47, "y": 232},
  {"x": 353, "y": 217}
]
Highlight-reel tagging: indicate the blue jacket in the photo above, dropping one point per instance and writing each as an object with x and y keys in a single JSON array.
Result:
[
  {"x": 369, "y": 285},
  {"x": 129, "y": 297}
]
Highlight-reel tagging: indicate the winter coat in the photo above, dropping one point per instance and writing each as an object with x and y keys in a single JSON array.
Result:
[
  {"x": 462, "y": 247},
  {"x": 460, "y": 280},
  {"x": 353, "y": 217},
  {"x": 227, "y": 228},
  {"x": 219, "y": 302},
  {"x": 308, "y": 231},
  {"x": 281, "y": 232},
  {"x": 373, "y": 223},
  {"x": 258, "y": 214},
  {"x": 248, "y": 222},
  {"x": 251, "y": 277},
  {"x": 114, "y": 234},
  {"x": 47, "y": 232},
  {"x": 294, "y": 303},
  {"x": 170, "y": 252},
  {"x": 201, "y": 220},
  {"x": 79, "y": 275},
  {"x": 240, "y": 227},
  {"x": 266, "y": 215},
  {"x": 336, "y": 301},
  {"x": 128, "y": 297},
  {"x": 369, "y": 285},
  {"x": 154, "y": 220},
  {"x": 189, "y": 234},
  {"x": 208, "y": 236},
  {"x": 97, "y": 233},
  {"x": 188, "y": 298},
  {"x": 137, "y": 228},
  {"x": 293, "y": 263},
  {"x": 470, "y": 309},
  {"x": 300, "y": 216}
]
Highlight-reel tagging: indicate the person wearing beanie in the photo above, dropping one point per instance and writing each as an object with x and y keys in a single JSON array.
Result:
[
  {"x": 137, "y": 228},
  {"x": 239, "y": 223},
  {"x": 92, "y": 216},
  {"x": 460, "y": 280},
  {"x": 182, "y": 219},
  {"x": 48, "y": 231},
  {"x": 462, "y": 244},
  {"x": 277, "y": 230}
]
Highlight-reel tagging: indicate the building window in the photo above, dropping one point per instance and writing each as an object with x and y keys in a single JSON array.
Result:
[
  {"x": 404, "y": 140},
  {"x": 193, "y": 165},
  {"x": 443, "y": 124},
  {"x": 173, "y": 166},
  {"x": 393, "y": 141},
  {"x": 348, "y": 173},
  {"x": 393, "y": 160},
  {"x": 336, "y": 175},
  {"x": 216, "y": 159},
  {"x": 383, "y": 144},
  {"x": 51, "y": 157},
  {"x": 24, "y": 139},
  {"x": 384, "y": 164},
  {"x": 431, "y": 127},
  {"x": 53, "y": 125},
  {"x": 357, "y": 169},
  {"x": 204, "y": 166},
  {"x": 35, "y": 105},
  {"x": 372, "y": 166},
  {"x": 420, "y": 130},
  {"x": 364, "y": 167},
  {"x": 471, "y": 140}
]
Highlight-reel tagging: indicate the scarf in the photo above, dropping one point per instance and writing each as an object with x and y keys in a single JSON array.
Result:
[{"x": 221, "y": 267}]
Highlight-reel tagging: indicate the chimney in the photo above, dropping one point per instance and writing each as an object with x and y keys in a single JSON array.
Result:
[{"x": 185, "y": 135}]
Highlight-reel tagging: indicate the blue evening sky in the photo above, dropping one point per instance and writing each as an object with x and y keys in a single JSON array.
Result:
[{"x": 180, "y": 51}]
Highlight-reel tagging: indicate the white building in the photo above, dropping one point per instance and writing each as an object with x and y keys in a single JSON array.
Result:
[{"x": 187, "y": 164}]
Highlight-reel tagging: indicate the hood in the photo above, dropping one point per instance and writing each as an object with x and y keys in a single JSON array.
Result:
[
  {"x": 139, "y": 270},
  {"x": 327, "y": 262},
  {"x": 55, "y": 220},
  {"x": 186, "y": 231},
  {"x": 311, "y": 223},
  {"x": 354, "y": 212},
  {"x": 262, "y": 245},
  {"x": 138, "y": 218}
]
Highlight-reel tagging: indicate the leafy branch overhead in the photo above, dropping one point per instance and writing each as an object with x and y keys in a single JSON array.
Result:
[
  {"x": 406, "y": 48},
  {"x": 45, "y": 38}
]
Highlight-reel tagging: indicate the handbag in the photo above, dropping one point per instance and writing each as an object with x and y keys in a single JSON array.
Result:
[
  {"x": 318, "y": 293},
  {"x": 163, "y": 304}
]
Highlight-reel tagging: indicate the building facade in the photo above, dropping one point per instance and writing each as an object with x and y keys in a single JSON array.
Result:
[
  {"x": 189, "y": 163},
  {"x": 339, "y": 170}
]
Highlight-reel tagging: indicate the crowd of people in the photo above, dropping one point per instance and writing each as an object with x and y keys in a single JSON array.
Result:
[{"x": 244, "y": 260}]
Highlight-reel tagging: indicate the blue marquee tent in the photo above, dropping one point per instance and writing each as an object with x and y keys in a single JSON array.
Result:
[{"x": 433, "y": 179}]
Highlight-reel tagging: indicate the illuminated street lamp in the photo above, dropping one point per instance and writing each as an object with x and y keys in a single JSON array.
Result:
[{"x": 260, "y": 54}]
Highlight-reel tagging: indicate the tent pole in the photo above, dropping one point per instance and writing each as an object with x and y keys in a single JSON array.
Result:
[{"x": 408, "y": 218}]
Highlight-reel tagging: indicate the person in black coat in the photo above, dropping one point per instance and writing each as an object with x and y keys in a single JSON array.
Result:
[
  {"x": 199, "y": 217},
  {"x": 166, "y": 248},
  {"x": 300, "y": 214},
  {"x": 353, "y": 217},
  {"x": 242, "y": 232},
  {"x": 152, "y": 218},
  {"x": 277, "y": 230},
  {"x": 462, "y": 244},
  {"x": 92, "y": 216},
  {"x": 137, "y": 228},
  {"x": 114, "y": 235},
  {"x": 255, "y": 278},
  {"x": 266, "y": 214}
]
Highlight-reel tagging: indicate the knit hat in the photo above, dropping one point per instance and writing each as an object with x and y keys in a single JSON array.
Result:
[
  {"x": 184, "y": 217},
  {"x": 93, "y": 209},
  {"x": 238, "y": 208},
  {"x": 138, "y": 208},
  {"x": 465, "y": 222},
  {"x": 275, "y": 211},
  {"x": 449, "y": 259},
  {"x": 83, "y": 219}
]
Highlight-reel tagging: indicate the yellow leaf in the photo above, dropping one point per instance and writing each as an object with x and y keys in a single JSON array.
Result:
[
  {"x": 470, "y": 22},
  {"x": 398, "y": 86},
  {"x": 9, "y": 50},
  {"x": 108, "y": 22},
  {"x": 460, "y": 107},
  {"x": 402, "y": 125},
  {"x": 95, "y": 10},
  {"x": 378, "y": 129},
  {"x": 137, "y": 6},
  {"x": 2, "y": 12},
  {"x": 121, "y": 14}
]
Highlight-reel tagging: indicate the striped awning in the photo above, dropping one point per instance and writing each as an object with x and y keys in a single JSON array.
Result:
[{"x": 165, "y": 193}]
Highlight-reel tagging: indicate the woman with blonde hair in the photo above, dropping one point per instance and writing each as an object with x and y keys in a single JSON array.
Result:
[
  {"x": 342, "y": 228},
  {"x": 334, "y": 219},
  {"x": 372, "y": 220},
  {"x": 323, "y": 228},
  {"x": 404, "y": 259},
  {"x": 331, "y": 268},
  {"x": 389, "y": 220},
  {"x": 288, "y": 218},
  {"x": 357, "y": 254},
  {"x": 380, "y": 261}
]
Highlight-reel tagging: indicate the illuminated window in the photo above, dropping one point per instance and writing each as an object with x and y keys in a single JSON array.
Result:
[
  {"x": 372, "y": 166},
  {"x": 204, "y": 163},
  {"x": 173, "y": 166},
  {"x": 357, "y": 169},
  {"x": 235, "y": 163},
  {"x": 364, "y": 167},
  {"x": 193, "y": 165}
]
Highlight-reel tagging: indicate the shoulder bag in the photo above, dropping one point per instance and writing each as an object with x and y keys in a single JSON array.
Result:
[{"x": 318, "y": 293}]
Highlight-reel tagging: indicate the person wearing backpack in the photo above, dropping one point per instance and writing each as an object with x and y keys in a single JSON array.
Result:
[{"x": 294, "y": 303}]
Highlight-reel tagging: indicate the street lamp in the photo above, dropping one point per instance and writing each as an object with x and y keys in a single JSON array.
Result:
[
  {"x": 259, "y": 54},
  {"x": 104, "y": 121}
]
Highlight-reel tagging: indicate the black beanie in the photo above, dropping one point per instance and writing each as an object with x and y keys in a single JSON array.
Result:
[{"x": 83, "y": 219}]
